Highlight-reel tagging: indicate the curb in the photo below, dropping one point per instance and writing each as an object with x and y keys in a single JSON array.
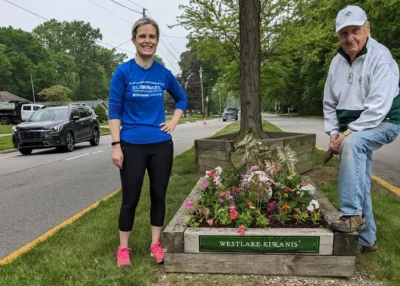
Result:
[{"x": 16, "y": 150}]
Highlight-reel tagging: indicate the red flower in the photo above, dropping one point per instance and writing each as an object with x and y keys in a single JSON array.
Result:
[{"x": 234, "y": 213}]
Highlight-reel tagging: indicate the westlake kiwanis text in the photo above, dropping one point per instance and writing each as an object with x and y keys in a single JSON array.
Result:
[
  {"x": 258, "y": 244},
  {"x": 270, "y": 244}
]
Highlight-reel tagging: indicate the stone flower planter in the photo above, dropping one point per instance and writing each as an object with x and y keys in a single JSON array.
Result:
[
  {"x": 271, "y": 251},
  {"x": 219, "y": 150}
]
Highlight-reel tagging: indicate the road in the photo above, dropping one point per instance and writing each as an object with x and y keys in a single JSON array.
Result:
[
  {"x": 40, "y": 191},
  {"x": 386, "y": 161}
]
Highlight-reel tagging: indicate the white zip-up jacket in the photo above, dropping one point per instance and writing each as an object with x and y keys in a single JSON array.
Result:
[{"x": 361, "y": 95}]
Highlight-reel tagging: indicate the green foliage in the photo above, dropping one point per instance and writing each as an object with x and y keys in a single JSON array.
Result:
[
  {"x": 57, "y": 53},
  {"x": 245, "y": 218},
  {"x": 298, "y": 43},
  {"x": 57, "y": 93},
  {"x": 101, "y": 113}
]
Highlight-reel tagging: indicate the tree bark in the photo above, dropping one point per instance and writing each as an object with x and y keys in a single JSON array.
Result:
[{"x": 250, "y": 51}]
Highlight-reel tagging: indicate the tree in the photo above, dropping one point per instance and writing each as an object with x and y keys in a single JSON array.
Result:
[
  {"x": 94, "y": 65},
  {"x": 159, "y": 60},
  {"x": 58, "y": 93},
  {"x": 250, "y": 52},
  {"x": 101, "y": 113}
]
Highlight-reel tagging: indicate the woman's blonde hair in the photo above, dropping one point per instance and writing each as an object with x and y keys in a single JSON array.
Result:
[{"x": 142, "y": 22}]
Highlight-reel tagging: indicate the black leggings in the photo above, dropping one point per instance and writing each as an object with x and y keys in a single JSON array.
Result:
[{"x": 157, "y": 159}]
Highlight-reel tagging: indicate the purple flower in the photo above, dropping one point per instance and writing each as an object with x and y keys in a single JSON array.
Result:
[
  {"x": 246, "y": 176},
  {"x": 254, "y": 168}
]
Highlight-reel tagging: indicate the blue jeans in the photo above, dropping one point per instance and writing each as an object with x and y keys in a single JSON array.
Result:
[{"x": 355, "y": 174}]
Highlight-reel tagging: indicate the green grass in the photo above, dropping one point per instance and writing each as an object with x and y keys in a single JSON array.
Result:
[
  {"x": 6, "y": 143},
  {"x": 5, "y": 129},
  {"x": 83, "y": 253},
  {"x": 104, "y": 130},
  {"x": 235, "y": 127},
  {"x": 303, "y": 116},
  {"x": 192, "y": 118}
]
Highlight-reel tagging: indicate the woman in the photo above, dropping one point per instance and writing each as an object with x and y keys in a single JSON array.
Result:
[{"x": 144, "y": 142}]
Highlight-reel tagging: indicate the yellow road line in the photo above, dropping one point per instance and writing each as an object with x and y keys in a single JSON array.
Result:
[
  {"x": 386, "y": 185},
  {"x": 24, "y": 249},
  {"x": 10, "y": 258}
]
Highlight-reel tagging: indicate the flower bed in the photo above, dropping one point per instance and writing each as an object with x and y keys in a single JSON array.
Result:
[
  {"x": 256, "y": 202},
  {"x": 257, "y": 217},
  {"x": 267, "y": 194}
]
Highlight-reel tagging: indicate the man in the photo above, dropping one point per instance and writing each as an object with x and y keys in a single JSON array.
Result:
[{"x": 362, "y": 113}]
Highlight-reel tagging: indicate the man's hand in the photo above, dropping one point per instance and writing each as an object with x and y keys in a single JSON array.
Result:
[
  {"x": 117, "y": 156},
  {"x": 168, "y": 126},
  {"x": 335, "y": 143}
]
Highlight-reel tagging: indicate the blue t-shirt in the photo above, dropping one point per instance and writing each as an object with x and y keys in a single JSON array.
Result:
[{"x": 137, "y": 99}]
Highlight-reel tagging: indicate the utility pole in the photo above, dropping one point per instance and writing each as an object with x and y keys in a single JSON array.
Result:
[
  {"x": 220, "y": 112},
  {"x": 202, "y": 95},
  {"x": 33, "y": 90},
  {"x": 144, "y": 13}
]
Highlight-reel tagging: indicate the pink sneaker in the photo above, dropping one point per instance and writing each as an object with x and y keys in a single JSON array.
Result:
[
  {"x": 157, "y": 251},
  {"x": 123, "y": 256}
]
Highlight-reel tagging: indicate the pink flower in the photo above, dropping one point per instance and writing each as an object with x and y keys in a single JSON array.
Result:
[
  {"x": 221, "y": 200},
  {"x": 208, "y": 173},
  {"x": 303, "y": 184},
  {"x": 233, "y": 213},
  {"x": 271, "y": 206},
  {"x": 233, "y": 206},
  {"x": 254, "y": 168},
  {"x": 246, "y": 176},
  {"x": 229, "y": 197},
  {"x": 221, "y": 194},
  {"x": 210, "y": 222},
  {"x": 240, "y": 230},
  {"x": 189, "y": 205},
  {"x": 205, "y": 185}
]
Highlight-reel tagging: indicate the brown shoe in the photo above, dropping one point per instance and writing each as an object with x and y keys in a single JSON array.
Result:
[
  {"x": 348, "y": 223},
  {"x": 367, "y": 249}
]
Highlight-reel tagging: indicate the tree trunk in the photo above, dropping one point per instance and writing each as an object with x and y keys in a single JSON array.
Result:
[{"x": 250, "y": 51}]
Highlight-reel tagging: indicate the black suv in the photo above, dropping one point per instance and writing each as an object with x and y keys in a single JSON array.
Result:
[{"x": 61, "y": 127}]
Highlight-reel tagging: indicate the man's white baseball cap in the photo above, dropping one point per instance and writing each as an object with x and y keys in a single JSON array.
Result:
[{"x": 350, "y": 16}]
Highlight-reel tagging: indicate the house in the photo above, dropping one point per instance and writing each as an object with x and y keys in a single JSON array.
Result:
[{"x": 6, "y": 96}]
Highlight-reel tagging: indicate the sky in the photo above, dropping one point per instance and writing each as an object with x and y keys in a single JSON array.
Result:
[{"x": 115, "y": 26}]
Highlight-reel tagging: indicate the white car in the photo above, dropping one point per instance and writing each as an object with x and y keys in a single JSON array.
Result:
[{"x": 28, "y": 109}]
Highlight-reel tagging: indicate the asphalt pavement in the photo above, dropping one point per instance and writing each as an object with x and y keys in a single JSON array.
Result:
[
  {"x": 386, "y": 160},
  {"x": 42, "y": 190}
]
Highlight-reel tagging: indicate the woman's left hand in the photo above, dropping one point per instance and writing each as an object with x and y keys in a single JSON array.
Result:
[{"x": 168, "y": 126}]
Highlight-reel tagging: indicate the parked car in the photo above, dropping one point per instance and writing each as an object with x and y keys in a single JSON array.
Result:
[
  {"x": 28, "y": 109},
  {"x": 230, "y": 113},
  {"x": 61, "y": 127}
]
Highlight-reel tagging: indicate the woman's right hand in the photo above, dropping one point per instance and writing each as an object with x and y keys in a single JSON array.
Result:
[{"x": 117, "y": 156}]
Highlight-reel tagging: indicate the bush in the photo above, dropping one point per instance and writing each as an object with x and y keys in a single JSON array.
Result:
[{"x": 101, "y": 113}]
